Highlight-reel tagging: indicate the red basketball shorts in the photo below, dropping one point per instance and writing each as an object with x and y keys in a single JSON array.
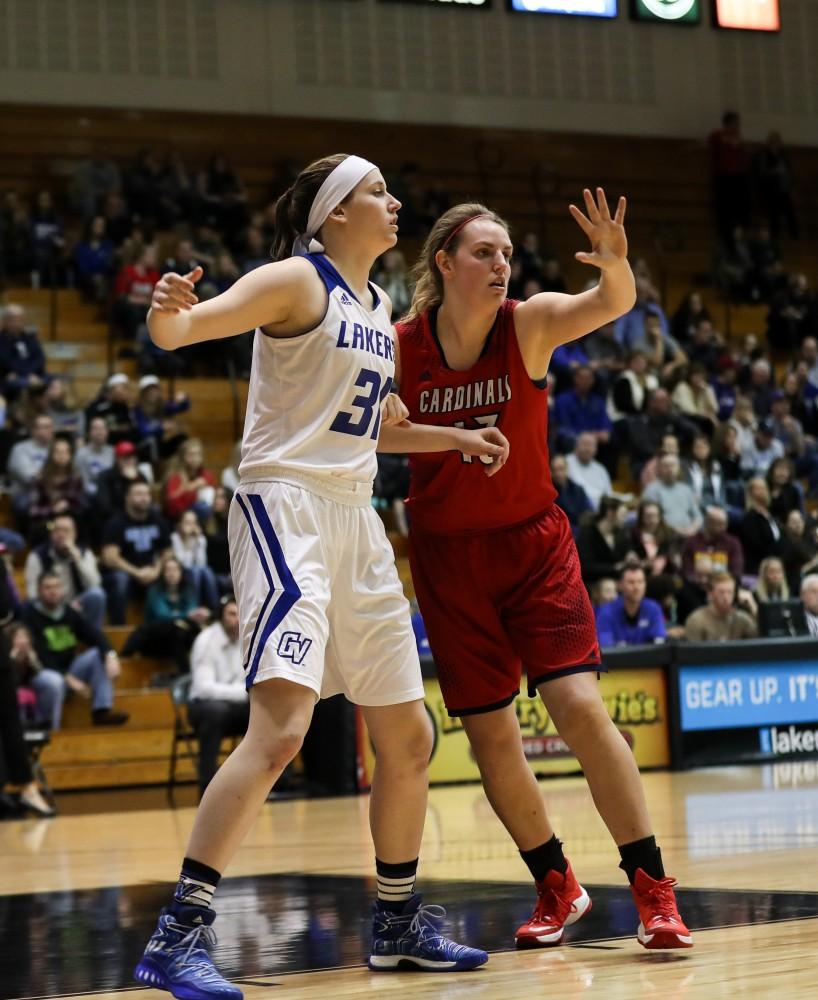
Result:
[{"x": 499, "y": 602}]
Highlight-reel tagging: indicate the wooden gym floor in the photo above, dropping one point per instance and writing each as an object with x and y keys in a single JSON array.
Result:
[{"x": 79, "y": 894}]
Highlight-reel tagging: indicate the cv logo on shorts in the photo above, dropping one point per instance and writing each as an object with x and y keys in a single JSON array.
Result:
[{"x": 293, "y": 646}]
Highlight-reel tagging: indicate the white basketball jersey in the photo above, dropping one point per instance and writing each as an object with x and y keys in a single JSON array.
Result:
[{"x": 314, "y": 401}]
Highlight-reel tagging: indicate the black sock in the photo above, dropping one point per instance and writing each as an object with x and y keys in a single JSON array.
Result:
[
  {"x": 197, "y": 884},
  {"x": 396, "y": 883},
  {"x": 545, "y": 858},
  {"x": 642, "y": 854}
]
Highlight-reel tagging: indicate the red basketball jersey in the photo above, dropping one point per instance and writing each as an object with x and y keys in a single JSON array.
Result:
[{"x": 450, "y": 491}]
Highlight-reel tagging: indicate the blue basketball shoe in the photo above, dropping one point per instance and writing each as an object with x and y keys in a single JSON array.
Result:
[
  {"x": 411, "y": 940},
  {"x": 177, "y": 957}
]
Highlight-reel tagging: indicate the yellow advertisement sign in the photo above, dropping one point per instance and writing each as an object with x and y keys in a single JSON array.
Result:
[{"x": 636, "y": 701}]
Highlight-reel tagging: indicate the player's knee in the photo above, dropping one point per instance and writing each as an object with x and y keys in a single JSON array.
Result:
[
  {"x": 410, "y": 748},
  {"x": 581, "y": 720},
  {"x": 280, "y": 749}
]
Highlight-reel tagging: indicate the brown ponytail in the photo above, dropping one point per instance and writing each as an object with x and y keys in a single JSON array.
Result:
[
  {"x": 445, "y": 234},
  {"x": 293, "y": 207}
]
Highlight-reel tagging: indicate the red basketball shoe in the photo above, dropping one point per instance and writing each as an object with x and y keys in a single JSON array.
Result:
[
  {"x": 660, "y": 925},
  {"x": 561, "y": 900}
]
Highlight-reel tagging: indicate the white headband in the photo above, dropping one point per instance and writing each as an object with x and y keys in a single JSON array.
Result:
[{"x": 337, "y": 185}]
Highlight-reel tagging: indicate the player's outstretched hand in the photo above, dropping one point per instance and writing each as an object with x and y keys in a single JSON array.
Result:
[
  {"x": 486, "y": 443},
  {"x": 393, "y": 411},
  {"x": 609, "y": 244},
  {"x": 174, "y": 292}
]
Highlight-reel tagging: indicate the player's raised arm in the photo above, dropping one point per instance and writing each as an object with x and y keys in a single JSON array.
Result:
[
  {"x": 549, "y": 319},
  {"x": 270, "y": 295}
]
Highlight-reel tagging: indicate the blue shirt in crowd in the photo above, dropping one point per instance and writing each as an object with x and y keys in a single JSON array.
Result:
[
  {"x": 573, "y": 413},
  {"x": 616, "y": 629}
]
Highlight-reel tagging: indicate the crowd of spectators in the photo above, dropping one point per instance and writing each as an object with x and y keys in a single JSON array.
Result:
[{"x": 685, "y": 462}]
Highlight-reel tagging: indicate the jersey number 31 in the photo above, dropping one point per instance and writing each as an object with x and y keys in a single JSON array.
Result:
[{"x": 369, "y": 404}]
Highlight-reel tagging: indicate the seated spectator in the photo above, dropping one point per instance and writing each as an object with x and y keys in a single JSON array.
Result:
[
  {"x": 22, "y": 361},
  {"x": 75, "y": 565},
  {"x": 47, "y": 242},
  {"x": 630, "y": 392},
  {"x": 743, "y": 421},
  {"x": 728, "y": 454},
  {"x": 603, "y": 544},
  {"x": 530, "y": 255},
  {"x": 586, "y": 472},
  {"x": 646, "y": 430},
  {"x": 719, "y": 620},
  {"x": 57, "y": 490},
  {"x": 134, "y": 543},
  {"x": 632, "y": 619},
  {"x": 113, "y": 484},
  {"x": 809, "y": 598},
  {"x": 665, "y": 356},
  {"x": 255, "y": 253},
  {"x": 676, "y": 499},
  {"x": 25, "y": 464},
  {"x": 706, "y": 347},
  {"x": 25, "y": 665},
  {"x": 94, "y": 258},
  {"x": 15, "y": 765},
  {"x": 798, "y": 548},
  {"x": 808, "y": 359},
  {"x": 218, "y": 705},
  {"x": 391, "y": 276},
  {"x": 190, "y": 548},
  {"x": 551, "y": 277},
  {"x": 158, "y": 433},
  {"x": 188, "y": 484},
  {"x": 606, "y": 356},
  {"x": 16, "y": 257},
  {"x": 571, "y": 497},
  {"x": 173, "y": 617},
  {"x": 694, "y": 398},
  {"x": 761, "y": 386},
  {"x": 801, "y": 395},
  {"x": 785, "y": 492},
  {"x": 113, "y": 404},
  {"x": 703, "y": 474},
  {"x": 787, "y": 429},
  {"x": 793, "y": 314},
  {"x": 566, "y": 360},
  {"x": 772, "y": 581},
  {"x": 94, "y": 457},
  {"x": 603, "y": 592},
  {"x": 724, "y": 386},
  {"x": 684, "y": 321},
  {"x": 133, "y": 289},
  {"x": 669, "y": 446},
  {"x": 759, "y": 531},
  {"x": 68, "y": 419},
  {"x": 581, "y": 410},
  {"x": 653, "y": 542},
  {"x": 630, "y": 328},
  {"x": 57, "y": 631},
  {"x": 764, "y": 450},
  {"x": 711, "y": 550},
  {"x": 218, "y": 548}
]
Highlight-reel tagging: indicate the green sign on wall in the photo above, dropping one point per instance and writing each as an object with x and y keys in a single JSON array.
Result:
[{"x": 674, "y": 11}]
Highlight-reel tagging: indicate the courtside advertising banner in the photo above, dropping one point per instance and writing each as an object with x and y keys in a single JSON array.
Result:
[
  {"x": 636, "y": 701},
  {"x": 743, "y": 712}
]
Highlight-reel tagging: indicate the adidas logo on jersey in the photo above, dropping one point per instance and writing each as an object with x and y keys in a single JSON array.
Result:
[{"x": 345, "y": 299}]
